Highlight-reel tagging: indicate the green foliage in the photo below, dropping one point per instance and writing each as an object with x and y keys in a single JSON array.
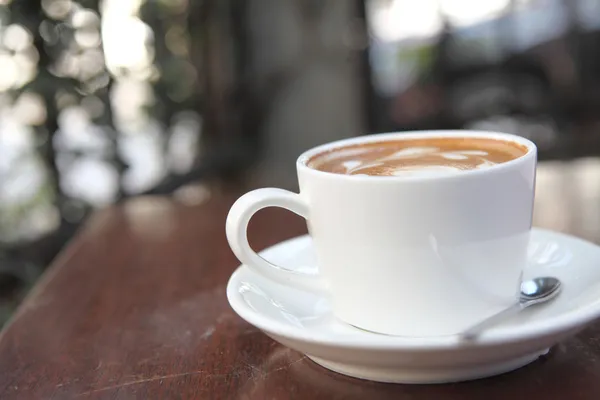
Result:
[{"x": 56, "y": 50}]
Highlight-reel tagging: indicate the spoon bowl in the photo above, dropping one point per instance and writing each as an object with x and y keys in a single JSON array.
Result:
[{"x": 540, "y": 289}]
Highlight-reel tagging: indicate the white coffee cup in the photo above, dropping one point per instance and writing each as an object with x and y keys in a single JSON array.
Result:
[{"x": 413, "y": 255}]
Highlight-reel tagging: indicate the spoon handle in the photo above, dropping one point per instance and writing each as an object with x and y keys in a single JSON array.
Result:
[{"x": 476, "y": 329}]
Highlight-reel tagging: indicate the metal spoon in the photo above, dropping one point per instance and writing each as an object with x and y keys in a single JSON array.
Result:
[{"x": 535, "y": 291}]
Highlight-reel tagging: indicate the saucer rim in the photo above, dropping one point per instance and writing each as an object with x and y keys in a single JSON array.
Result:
[{"x": 549, "y": 326}]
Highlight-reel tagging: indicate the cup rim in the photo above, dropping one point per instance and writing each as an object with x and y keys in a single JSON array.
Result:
[{"x": 301, "y": 162}]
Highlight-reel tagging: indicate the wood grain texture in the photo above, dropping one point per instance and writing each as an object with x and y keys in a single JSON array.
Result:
[{"x": 135, "y": 308}]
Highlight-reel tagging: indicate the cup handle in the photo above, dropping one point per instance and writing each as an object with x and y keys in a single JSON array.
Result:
[{"x": 237, "y": 225}]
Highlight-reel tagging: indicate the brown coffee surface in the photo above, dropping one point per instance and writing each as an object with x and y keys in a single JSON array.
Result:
[{"x": 417, "y": 156}]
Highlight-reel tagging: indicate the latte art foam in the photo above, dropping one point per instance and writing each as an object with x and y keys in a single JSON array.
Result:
[
  {"x": 396, "y": 164},
  {"x": 433, "y": 156}
]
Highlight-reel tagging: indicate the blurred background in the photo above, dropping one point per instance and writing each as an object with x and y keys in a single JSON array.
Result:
[{"x": 101, "y": 101}]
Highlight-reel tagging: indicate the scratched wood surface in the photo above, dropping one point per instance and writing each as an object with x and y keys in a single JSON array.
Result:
[{"x": 135, "y": 308}]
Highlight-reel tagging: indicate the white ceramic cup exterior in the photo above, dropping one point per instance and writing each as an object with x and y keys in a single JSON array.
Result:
[{"x": 408, "y": 256}]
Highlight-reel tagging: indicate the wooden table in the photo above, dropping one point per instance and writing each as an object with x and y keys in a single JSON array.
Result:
[{"x": 135, "y": 308}]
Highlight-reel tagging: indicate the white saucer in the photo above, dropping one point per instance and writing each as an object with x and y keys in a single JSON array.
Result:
[{"x": 304, "y": 321}]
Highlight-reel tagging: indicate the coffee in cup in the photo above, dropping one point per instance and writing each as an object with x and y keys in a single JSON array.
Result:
[{"x": 430, "y": 156}]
